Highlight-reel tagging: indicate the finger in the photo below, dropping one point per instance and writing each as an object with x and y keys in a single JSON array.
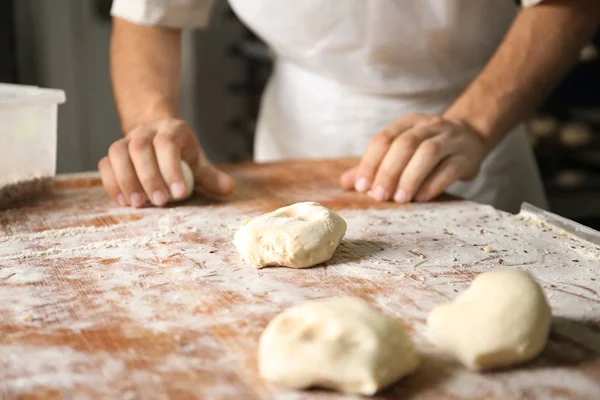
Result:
[
  {"x": 348, "y": 179},
  {"x": 168, "y": 143},
  {"x": 122, "y": 167},
  {"x": 425, "y": 159},
  {"x": 377, "y": 150},
  {"x": 211, "y": 178},
  {"x": 109, "y": 181},
  {"x": 144, "y": 161},
  {"x": 395, "y": 161},
  {"x": 444, "y": 175}
]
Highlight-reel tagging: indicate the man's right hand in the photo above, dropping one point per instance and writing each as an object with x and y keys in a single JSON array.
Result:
[{"x": 145, "y": 166}]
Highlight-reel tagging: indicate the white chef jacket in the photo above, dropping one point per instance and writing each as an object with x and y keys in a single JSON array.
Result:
[{"x": 346, "y": 69}]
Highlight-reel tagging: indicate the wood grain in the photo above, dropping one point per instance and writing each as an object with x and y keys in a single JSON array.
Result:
[{"x": 98, "y": 301}]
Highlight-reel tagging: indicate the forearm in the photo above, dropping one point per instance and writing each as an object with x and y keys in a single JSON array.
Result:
[
  {"x": 146, "y": 72},
  {"x": 540, "y": 47}
]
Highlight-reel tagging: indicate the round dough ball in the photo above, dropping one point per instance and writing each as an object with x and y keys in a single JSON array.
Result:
[
  {"x": 188, "y": 175},
  {"x": 501, "y": 320},
  {"x": 298, "y": 236},
  {"x": 339, "y": 343}
]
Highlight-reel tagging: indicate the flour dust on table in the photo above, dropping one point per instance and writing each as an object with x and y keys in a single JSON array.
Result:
[
  {"x": 100, "y": 301},
  {"x": 298, "y": 236}
]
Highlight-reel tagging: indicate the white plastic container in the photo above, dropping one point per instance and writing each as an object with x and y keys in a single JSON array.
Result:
[{"x": 28, "y": 136}]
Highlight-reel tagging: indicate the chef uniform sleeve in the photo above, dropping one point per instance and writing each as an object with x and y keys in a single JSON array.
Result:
[
  {"x": 529, "y": 3},
  {"x": 166, "y": 13}
]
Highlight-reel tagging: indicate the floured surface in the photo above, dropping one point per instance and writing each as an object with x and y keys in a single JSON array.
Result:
[{"x": 101, "y": 301}]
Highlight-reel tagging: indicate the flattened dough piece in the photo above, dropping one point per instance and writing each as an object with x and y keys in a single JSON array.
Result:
[
  {"x": 339, "y": 343},
  {"x": 298, "y": 236},
  {"x": 502, "y": 319}
]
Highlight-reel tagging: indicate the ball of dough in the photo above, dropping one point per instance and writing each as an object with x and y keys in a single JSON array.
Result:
[
  {"x": 298, "y": 236},
  {"x": 339, "y": 343},
  {"x": 188, "y": 175},
  {"x": 502, "y": 319}
]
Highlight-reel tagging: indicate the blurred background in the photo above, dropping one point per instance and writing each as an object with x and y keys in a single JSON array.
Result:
[{"x": 64, "y": 44}]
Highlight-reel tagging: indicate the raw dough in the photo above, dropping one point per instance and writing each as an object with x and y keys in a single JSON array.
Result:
[
  {"x": 339, "y": 343},
  {"x": 296, "y": 236},
  {"x": 188, "y": 175},
  {"x": 501, "y": 320}
]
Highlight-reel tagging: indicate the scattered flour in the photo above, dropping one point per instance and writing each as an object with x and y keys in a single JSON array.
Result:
[{"x": 175, "y": 274}]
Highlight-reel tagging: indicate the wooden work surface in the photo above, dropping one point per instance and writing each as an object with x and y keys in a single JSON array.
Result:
[{"x": 98, "y": 301}]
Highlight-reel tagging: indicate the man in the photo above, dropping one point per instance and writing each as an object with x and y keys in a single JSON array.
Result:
[{"x": 429, "y": 92}]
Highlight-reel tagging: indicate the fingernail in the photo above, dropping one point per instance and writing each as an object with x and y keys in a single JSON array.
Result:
[
  {"x": 362, "y": 185},
  {"x": 378, "y": 194},
  {"x": 401, "y": 196},
  {"x": 159, "y": 198},
  {"x": 121, "y": 200},
  {"x": 137, "y": 199},
  {"x": 178, "y": 190}
]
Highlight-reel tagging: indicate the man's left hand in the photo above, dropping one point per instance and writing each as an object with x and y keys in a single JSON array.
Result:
[{"x": 416, "y": 158}]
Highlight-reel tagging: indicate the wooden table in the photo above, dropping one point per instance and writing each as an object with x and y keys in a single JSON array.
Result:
[{"x": 98, "y": 301}]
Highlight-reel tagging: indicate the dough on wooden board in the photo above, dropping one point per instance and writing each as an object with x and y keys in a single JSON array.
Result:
[
  {"x": 298, "y": 236},
  {"x": 339, "y": 343},
  {"x": 502, "y": 319},
  {"x": 188, "y": 176}
]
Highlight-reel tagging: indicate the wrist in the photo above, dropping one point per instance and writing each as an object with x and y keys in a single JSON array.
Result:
[
  {"x": 481, "y": 113},
  {"x": 476, "y": 124},
  {"x": 149, "y": 113}
]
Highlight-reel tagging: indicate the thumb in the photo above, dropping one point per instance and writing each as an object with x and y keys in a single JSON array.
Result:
[{"x": 212, "y": 179}]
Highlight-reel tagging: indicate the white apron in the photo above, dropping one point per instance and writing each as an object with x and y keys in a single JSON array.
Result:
[{"x": 347, "y": 68}]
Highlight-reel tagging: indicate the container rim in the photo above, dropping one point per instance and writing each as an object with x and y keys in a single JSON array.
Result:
[{"x": 24, "y": 95}]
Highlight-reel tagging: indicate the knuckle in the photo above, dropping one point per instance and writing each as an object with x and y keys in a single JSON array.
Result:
[
  {"x": 435, "y": 121},
  {"x": 117, "y": 148},
  {"x": 173, "y": 126},
  {"x": 138, "y": 131},
  {"x": 138, "y": 143},
  {"x": 431, "y": 148},
  {"x": 385, "y": 137},
  {"x": 162, "y": 139},
  {"x": 179, "y": 124},
  {"x": 408, "y": 142}
]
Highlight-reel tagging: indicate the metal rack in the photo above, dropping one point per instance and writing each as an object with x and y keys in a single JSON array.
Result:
[{"x": 575, "y": 100}]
